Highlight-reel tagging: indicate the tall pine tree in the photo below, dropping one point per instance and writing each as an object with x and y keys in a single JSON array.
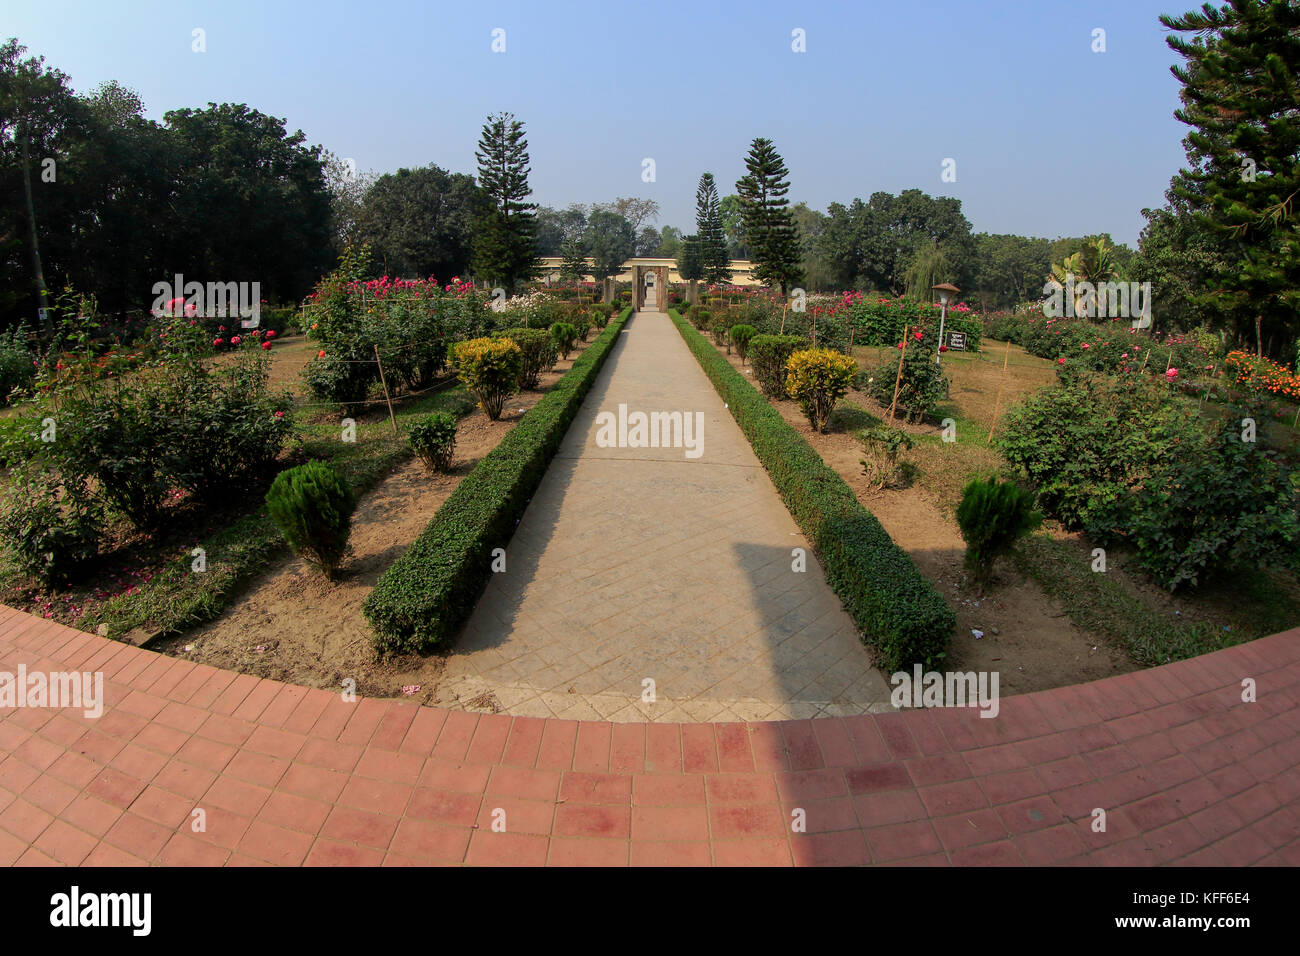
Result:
[
  {"x": 768, "y": 225},
  {"x": 714, "y": 261},
  {"x": 505, "y": 227},
  {"x": 1241, "y": 96}
]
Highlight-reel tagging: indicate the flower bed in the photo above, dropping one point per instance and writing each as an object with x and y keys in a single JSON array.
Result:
[
  {"x": 898, "y": 611},
  {"x": 429, "y": 592}
]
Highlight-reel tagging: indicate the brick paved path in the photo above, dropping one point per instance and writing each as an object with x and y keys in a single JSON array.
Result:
[
  {"x": 636, "y": 563},
  {"x": 1186, "y": 772}
]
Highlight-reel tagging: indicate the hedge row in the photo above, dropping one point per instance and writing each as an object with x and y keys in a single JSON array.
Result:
[
  {"x": 429, "y": 592},
  {"x": 896, "y": 608}
]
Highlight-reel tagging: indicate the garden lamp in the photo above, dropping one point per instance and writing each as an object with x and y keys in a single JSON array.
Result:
[{"x": 946, "y": 291}]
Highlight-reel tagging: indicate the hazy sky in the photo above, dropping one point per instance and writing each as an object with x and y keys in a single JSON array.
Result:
[{"x": 1049, "y": 138}]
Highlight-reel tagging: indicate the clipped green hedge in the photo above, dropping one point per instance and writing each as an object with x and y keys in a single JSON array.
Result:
[
  {"x": 427, "y": 595},
  {"x": 899, "y": 612}
]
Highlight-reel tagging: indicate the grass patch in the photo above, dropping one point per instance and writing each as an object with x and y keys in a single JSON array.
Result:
[{"x": 1099, "y": 603}]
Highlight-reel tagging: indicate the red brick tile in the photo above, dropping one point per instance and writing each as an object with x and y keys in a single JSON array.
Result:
[
  {"x": 329, "y": 853},
  {"x": 733, "y": 747},
  {"x": 162, "y": 807},
  {"x": 555, "y": 751},
  {"x": 294, "y": 812},
  {"x": 276, "y": 844},
  {"x": 768, "y": 747},
  {"x": 578, "y": 852},
  {"x": 1003, "y": 853},
  {"x": 431, "y": 842},
  {"x": 256, "y": 768},
  {"x": 663, "y": 790},
  {"x": 801, "y": 745},
  {"x": 506, "y": 849},
  {"x": 457, "y": 733},
  {"x": 138, "y": 836},
  {"x": 315, "y": 783},
  {"x": 751, "y": 820},
  {"x": 830, "y": 849},
  {"x": 513, "y": 815},
  {"x": 596, "y": 788},
  {"x": 591, "y": 750},
  {"x": 489, "y": 740},
  {"x": 699, "y": 749},
  {"x": 441, "y": 806},
  {"x": 969, "y": 829},
  {"x": 392, "y": 730},
  {"x": 888, "y": 807},
  {"x": 900, "y": 841},
  {"x": 116, "y": 788},
  {"x": 523, "y": 742},
  {"x": 65, "y": 843},
  {"x": 766, "y": 852},
  {"x": 663, "y": 748},
  {"x": 391, "y": 766},
  {"x": 589, "y": 820},
  {"x": 672, "y": 854},
  {"x": 522, "y": 782},
  {"x": 50, "y": 794},
  {"x": 92, "y": 814},
  {"x": 949, "y": 798},
  {"x": 441, "y": 774},
  {"x": 670, "y": 823},
  {"x": 329, "y": 754},
  {"x": 811, "y": 785},
  {"x": 890, "y": 776},
  {"x": 381, "y": 796},
  {"x": 349, "y": 825}
]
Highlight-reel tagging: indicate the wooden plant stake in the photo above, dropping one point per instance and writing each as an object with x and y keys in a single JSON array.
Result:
[
  {"x": 391, "y": 417},
  {"x": 783, "y": 308},
  {"x": 997, "y": 402},
  {"x": 899, "y": 380}
]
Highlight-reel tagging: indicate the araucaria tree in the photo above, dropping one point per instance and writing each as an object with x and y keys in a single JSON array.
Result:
[
  {"x": 766, "y": 220},
  {"x": 505, "y": 226},
  {"x": 1241, "y": 96},
  {"x": 714, "y": 260}
]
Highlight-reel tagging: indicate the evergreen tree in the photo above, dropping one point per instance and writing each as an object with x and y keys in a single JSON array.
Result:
[
  {"x": 505, "y": 227},
  {"x": 714, "y": 260},
  {"x": 1241, "y": 96},
  {"x": 768, "y": 224}
]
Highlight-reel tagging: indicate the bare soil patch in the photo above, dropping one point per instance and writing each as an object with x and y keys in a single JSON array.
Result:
[{"x": 293, "y": 625}]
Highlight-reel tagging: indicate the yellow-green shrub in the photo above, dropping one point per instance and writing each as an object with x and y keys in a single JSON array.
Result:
[
  {"x": 817, "y": 379},
  {"x": 490, "y": 369}
]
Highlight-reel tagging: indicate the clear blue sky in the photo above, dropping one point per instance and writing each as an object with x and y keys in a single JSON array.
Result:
[{"x": 1050, "y": 138}]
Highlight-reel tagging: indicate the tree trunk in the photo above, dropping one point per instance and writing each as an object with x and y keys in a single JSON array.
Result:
[
  {"x": 1259, "y": 347},
  {"x": 37, "y": 272}
]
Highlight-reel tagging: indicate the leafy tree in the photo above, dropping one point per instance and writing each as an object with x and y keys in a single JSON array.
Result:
[
  {"x": 638, "y": 212},
  {"x": 1241, "y": 98},
  {"x": 670, "y": 242},
  {"x": 766, "y": 219},
  {"x": 419, "y": 222},
  {"x": 35, "y": 103},
  {"x": 253, "y": 201},
  {"x": 347, "y": 189},
  {"x": 872, "y": 244},
  {"x": 648, "y": 241},
  {"x": 611, "y": 241},
  {"x": 505, "y": 225},
  {"x": 1009, "y": 269},
  {"x": 709, "y": 233},
  {"x": 733, "y": 227}
]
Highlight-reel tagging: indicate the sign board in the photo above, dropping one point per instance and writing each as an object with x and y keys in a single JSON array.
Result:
[
  {"x": 956, "y": 340},
  {"x": 41, "y": 314}
]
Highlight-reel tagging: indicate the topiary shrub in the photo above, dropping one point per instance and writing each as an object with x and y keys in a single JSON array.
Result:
[
  {"x": 490, "y": 369},
  {"x": 993, "y": 515},
  {"x": 433, "y": 438},
  {"x": 701, "y": 319},
  {"x": 719, "y": 325},
  {"x": 539, "y": 353},
  {"x": 600, "y": 313},
  {"x": 565, "y": 336},
  {"x": 312, "y": 506},
  {"x": 817, "y": 379},
  {"x": 768, "y": 355},
  {"x": 740, "y": 336}
]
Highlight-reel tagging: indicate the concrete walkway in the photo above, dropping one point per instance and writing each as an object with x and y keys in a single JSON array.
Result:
[
  {"x": 647, "y": 564},
  {"x": 1186, "y": 771}
]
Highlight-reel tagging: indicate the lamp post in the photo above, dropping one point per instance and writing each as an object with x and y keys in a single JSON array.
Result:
[{"x": 946, "y": 291}]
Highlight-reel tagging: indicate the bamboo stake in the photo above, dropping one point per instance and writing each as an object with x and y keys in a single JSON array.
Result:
[
  {"x": 899, "y": 380},
  {"x": 391, "y": 417},
  {"x": 997, "y": 403},
  {"x": 783, "y": 308}
]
